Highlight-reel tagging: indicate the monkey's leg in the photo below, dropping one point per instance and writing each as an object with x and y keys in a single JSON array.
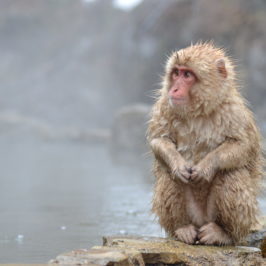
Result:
[
  {"x": 235, "y": 201},
  {"x": 187, "y": 234},
  {"x": 169, "y": 200}
]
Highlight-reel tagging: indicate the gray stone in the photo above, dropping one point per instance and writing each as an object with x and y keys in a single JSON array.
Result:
[{"x": 128, "y": 142}]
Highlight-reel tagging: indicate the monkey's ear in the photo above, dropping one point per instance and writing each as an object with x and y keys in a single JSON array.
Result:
[{"x": 220, "y": 64}]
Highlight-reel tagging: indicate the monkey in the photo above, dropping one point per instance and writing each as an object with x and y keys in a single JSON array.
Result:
[{"x": 207, "y": 151}]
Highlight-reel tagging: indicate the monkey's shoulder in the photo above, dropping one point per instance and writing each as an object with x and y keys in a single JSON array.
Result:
[{"x": 232, "y": 120}]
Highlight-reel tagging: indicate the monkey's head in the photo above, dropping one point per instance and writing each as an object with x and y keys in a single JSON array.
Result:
[{"x": 197, "y": 79}]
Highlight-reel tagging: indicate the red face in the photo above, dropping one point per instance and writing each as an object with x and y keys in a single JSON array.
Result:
[{"x": 182, "y": 79}]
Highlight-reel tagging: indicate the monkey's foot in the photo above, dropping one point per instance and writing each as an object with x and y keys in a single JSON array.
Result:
[
  {"x": 187, "y": 234},
  {"x": 213, "y": 234}
]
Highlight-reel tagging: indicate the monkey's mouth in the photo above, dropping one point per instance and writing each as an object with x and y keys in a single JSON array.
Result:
[{"x": 174, "y": 101}]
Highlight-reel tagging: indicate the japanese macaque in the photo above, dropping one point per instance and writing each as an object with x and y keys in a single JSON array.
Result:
[{"x": 208, "y": 162}]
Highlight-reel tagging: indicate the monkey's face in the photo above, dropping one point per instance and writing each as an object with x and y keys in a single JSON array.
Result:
[
  {"x": 182, "y": 79},
  {"x": 198, "y": 79}
]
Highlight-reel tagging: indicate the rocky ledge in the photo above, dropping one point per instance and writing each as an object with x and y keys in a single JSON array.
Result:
[{"x": 133, "y": 250}]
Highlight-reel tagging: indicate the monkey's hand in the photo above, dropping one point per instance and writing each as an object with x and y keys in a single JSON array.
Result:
[
  {"x": 203, "y": 171},
  {"x": 182, "y": 171},
  {"x": 165, "y": 150}
]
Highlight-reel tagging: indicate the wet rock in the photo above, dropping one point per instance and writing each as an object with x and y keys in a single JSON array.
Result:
[
  {"x": 255, "y": 239},
  {"x": 92, "y": 257},
  {"x": 258, "y": 238},
  {"x": 126, "y": 250},
  {"x": 167, "y": 251},
  {"x": 263, "y": 248}
]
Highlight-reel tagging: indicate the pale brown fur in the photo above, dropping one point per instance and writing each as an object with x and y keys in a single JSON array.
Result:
[{"x": 216, "y": 134}]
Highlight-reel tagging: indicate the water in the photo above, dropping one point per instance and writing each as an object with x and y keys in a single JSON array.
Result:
[
  {"x": 63, "y": 195},
  {"x": 56, "y": 196}
]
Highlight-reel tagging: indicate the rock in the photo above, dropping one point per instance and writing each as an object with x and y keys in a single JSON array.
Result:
[
  {"x": 255, "y": 239},
  {"x": 128, "y": 142},
  {"x": 258, "y": 238},
  {"x": 95, "y": 256},
  {"x": 263, "y": 248},
  {"x": 126, "y": 250},
  {"x": 167, "y": 251},
  {"x": 128, "y": 131}
]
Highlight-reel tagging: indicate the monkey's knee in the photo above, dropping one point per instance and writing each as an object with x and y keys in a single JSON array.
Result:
[
  {"x": 236, "y": 204},
  {"x": 169, "y": 204}
]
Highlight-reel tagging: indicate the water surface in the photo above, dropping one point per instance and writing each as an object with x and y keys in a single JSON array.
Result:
[{"x": 57, "y": 196}]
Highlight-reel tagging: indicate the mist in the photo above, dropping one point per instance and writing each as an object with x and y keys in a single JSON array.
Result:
[{"x": 77, "y": 85}]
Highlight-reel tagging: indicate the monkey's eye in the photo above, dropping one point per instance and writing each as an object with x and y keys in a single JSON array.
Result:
[
  {"x": 175, "y": 72},
  {"x": 188, "y": 74}
]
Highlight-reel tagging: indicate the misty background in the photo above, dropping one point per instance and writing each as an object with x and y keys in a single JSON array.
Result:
[{"x": 76, "y": 84}]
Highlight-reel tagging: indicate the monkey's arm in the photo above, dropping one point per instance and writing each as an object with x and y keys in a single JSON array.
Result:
[
  {"x": 164, "y": 149},
  {"x": 230, "y": 154}
]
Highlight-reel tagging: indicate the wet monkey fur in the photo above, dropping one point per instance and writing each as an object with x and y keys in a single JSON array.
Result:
[{"x": 208, "y": 162}]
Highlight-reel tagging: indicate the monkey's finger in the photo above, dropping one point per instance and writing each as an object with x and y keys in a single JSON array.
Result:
[
  {"x": 189, "y": 240},
  {"x": 180, "y": 237},
  {"x": 187, "y": 237},
  {"x": 202, "y": 229},
  {"x": 202, "y": 232},
  {"x": 186, "y": 174},
  {"x": 194, "y": 169},
  {"x": 179, "y": 176},
  {"x": 204, "y": 240},
  {"x": 196, "y": 179},
  {"x": 191, "y": 236},
  {"x": 201, "y": 235},
  {"x": 183, "y": 178},
  {"x": 194, "y": 173},
  {"x": 194, "y": 176},
  {"x": 194, "y": 234}
]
